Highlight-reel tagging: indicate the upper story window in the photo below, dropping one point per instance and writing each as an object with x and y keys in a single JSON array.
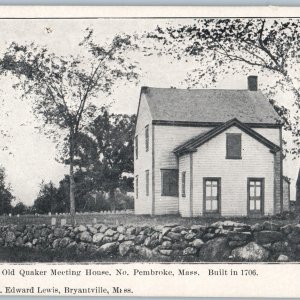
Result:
[
  {"x": 233, "y": 146},
  {"x": 147, "y": 138},
  {"x": 136, "y": 142},
  {"x": 169, "y": 182}
]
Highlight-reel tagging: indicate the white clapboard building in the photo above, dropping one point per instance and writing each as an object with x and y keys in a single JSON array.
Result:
[{"x": 208, "y": 152}]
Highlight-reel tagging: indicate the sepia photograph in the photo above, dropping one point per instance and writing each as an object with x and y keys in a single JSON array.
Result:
[{"x": 150, "y": 139}]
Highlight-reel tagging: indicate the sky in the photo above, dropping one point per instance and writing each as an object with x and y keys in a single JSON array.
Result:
[{"x": 30, "y": 158}]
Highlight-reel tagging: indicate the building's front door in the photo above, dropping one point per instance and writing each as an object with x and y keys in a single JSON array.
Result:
[{"x": 255, "y": 196}]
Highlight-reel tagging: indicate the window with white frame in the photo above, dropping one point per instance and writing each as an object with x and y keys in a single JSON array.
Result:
[
  {"x": 212, "y": 191},
  {"x": 255, "y": 195}
]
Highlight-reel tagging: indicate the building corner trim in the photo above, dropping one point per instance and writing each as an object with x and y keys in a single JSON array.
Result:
[
  {"x": 281, "y": 172},
  {"x": 274, "y": 185},
  {"x": 191, "y": 186},
  {"x": 153, "y": 172}
]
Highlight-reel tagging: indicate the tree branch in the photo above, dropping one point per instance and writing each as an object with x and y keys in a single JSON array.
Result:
[
  {"x": 262, "y": 46},
  {"x": 89, "y": 88}
]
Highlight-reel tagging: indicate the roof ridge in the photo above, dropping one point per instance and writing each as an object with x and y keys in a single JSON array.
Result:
[{"x": 199, "y": 89}]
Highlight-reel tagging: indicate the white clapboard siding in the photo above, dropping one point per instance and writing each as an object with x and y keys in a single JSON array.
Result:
[
  {"x": 166, "y": 138},
  {"x": 143, "y": 205},
  {"x": 209, "y": 161},
  {"x": 272, "y": 134}
]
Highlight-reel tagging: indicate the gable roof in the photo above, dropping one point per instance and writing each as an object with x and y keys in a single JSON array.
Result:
[
  {"x": 192, "y": 144},
  {"x": 209, "y": 105}
]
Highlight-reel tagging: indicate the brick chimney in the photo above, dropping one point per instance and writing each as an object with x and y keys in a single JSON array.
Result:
[{"x": 252, "y": 83}]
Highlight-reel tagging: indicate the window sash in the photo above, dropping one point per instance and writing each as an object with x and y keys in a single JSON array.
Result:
[
  {"x": 233, "y": 146},
  {"x": 255, "y": 187},
  {"x": 183, "y": 181},
  {"x": 212, "y": 195},
  {"x": 137, "y": 186},
  {"x": 169, "y": 182}
]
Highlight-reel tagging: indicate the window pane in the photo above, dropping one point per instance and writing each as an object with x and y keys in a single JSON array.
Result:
[
  {"x": 214, "y": 205},
  {"x": 257, "y": 191},
  {"x": 251, "y": 205},
  {"x": 252, "y": 191},
  {"x": 208, "y": 205},
  {"x": 174, "y": 189},
  {"x": 215, "y": 191},
  {"x": 257, "y": 205},
  {"x": 257, "y": 183},
  {"x": 208, "y": 191}
]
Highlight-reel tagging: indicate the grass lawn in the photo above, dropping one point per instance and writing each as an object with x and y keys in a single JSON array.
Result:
[{"x": 131, "y": 219}]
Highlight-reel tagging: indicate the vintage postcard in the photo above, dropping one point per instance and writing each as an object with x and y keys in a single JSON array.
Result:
[{"x": 150, "y": 151}]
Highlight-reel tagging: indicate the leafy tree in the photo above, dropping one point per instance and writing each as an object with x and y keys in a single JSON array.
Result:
[
  {"x": 105, "y": 153},
  {"x": 5, "y": 131},
  {"x": 221, "y": 46},
  {"x": 19, "y": 209},
  {"x": 6, "y": 196},
  {"x": 53, "y": 199},
  {"x": 298, "y": 188},
  {"x": 62, "y": 88},
  {"x": 47, "y": 198}
]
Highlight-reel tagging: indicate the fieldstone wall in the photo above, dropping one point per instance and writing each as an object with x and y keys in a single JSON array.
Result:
[{"x": 220, "y": 241}]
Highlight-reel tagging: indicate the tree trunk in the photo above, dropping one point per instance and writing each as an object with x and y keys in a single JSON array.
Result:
[
  {"x": 51, "y": 199},
  {"x": 72, "y": 194},
  {"x": 72, "y": 182},
  {"x": 112, "y": 200},
  {"x": 297, "y": 204}
]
